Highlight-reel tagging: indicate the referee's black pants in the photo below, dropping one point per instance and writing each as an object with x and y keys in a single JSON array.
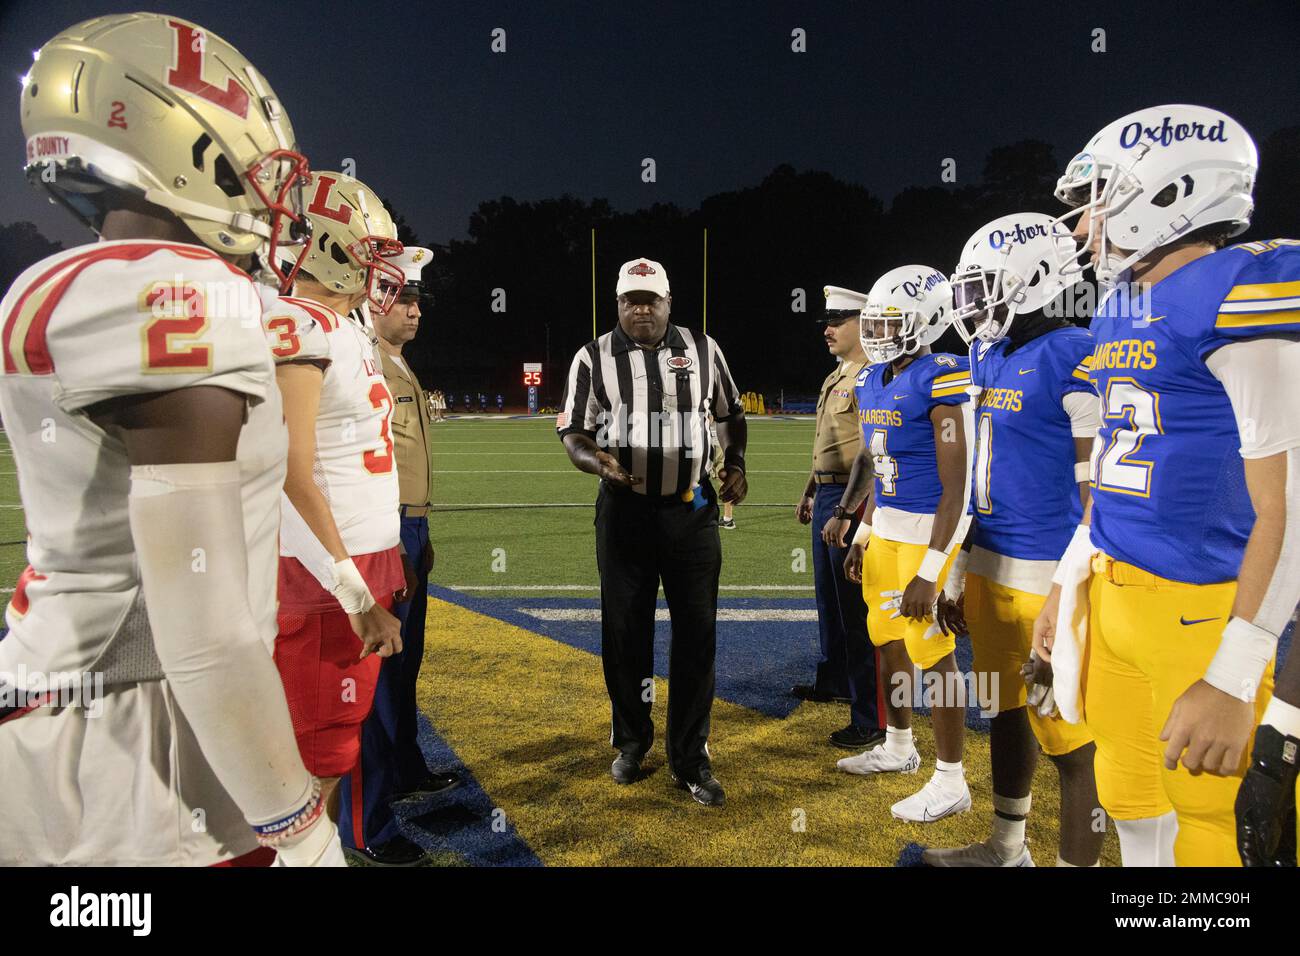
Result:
[{"x": 640, "y": 541}]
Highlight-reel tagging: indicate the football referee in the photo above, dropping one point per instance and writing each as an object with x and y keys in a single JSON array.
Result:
[{"x": 636, "y": 412}]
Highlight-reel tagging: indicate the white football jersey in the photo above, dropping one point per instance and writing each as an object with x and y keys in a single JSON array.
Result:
[
  {"x": 354, "y": 466},
  {"x": 112, "y": 319}
]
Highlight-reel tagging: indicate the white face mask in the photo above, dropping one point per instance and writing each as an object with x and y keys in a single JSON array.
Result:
[{"x": 897, "y": 341}]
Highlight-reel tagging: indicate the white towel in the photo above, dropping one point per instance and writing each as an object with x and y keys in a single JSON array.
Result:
[{"x": 1071, "y": 635}]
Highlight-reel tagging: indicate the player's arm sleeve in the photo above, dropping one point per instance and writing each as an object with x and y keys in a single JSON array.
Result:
[
  {"x": 724, "y": 401},
  {"x": 1262, "y": 379},
  {"x": 156, "y": 325},
  {"x": 1084, "y": 411},
  {"x": 579, "y": 409}
]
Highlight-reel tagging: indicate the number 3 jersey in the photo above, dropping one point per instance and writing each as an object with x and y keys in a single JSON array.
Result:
[
  {"x": 111, "y": 320},
  {"x": 1024, "y": 495},
  {"x": 899, "y": 435},
  {"x": 354, "y": 467},
  {"x": 1169, "y": 484}
]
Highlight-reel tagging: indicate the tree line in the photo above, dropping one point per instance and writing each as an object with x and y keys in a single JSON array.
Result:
[{"x": 518, "y": 288}]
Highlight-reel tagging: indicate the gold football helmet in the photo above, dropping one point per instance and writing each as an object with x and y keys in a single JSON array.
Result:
[
  {"x": 352, "y": 235},
  {"x": 163, "y": 110}
]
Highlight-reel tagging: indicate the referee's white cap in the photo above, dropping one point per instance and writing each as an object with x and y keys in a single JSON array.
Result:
[{"x": 642, "y": 275}]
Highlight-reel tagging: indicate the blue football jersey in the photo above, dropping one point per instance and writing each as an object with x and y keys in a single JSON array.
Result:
[
  {"x": 1170, "y": 490},
  {"x": 1023, "y": 492},
  {"x": 897, "y": 431}
]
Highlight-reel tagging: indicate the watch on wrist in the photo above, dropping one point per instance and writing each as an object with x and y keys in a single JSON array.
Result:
[{"x": 839, "y": 512}]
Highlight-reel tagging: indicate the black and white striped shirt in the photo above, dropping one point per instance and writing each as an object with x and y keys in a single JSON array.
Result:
[{"x": 650, "y": 408}]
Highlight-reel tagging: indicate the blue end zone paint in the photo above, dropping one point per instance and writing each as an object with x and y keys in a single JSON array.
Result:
[
  {"x": 910, "y": 855},
  {"x": 757, "y": 661},
  {"x": 460, "y": 821}
]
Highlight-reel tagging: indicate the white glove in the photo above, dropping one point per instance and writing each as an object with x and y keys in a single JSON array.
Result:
[{"x": 894, "y": 602}]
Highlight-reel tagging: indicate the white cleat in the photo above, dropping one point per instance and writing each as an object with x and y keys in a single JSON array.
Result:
[
  {"x": 880, "y": 760},
  {"x": 933, "y": 802},
  {"x": 977, "y": 854}
]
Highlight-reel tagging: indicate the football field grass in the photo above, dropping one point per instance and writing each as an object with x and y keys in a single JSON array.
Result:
[{"x": 514, "y": 516}]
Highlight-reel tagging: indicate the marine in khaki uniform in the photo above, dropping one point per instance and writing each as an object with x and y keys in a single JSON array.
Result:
[
  {"x": 847, "y": 669},
  {"x": 395, "y": 767}
]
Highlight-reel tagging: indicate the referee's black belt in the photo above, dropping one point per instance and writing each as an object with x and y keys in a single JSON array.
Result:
[
  {"x": 830, "y": 478},
  {"x": 662, "y": 501},
  {"x": 413, "y": 511}
]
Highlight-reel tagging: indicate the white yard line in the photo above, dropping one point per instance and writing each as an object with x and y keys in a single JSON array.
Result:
[
  {"x": 559, "y": 453},
  {"x": 596, "y": 587},
  {"x": 556, "y": 445},
  {"x": 491, "y": 419},
  {"x": 573, "y": 471},
  {"x": 592, "y": 614}
]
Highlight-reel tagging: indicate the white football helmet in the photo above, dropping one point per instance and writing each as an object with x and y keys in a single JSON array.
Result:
[
  {"x": 1013, "y": 265},
  {"x": 907, "y": 308},
  {"x": 1155, "y": 175}
]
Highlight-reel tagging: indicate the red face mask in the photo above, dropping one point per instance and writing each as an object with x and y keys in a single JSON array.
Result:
[
  {"x": 384, "y": 280},
  {"x": 286, "y": 210}
]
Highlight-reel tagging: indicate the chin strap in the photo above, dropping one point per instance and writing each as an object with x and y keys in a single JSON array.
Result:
[{"x": 237, "y": 221}]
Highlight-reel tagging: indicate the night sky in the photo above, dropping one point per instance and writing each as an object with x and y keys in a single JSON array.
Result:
[{"x": 438, "y": 123}]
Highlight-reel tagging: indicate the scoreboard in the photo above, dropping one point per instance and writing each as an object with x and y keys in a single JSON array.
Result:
[{"x": 533, "y": 380}]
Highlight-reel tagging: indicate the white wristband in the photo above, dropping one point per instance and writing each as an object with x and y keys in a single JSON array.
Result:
[
  {"x": 862, "y": 535},
  {"x": 1283, "y": 716},
  {"x": 1082, "y": 471},
  {"x": 955, "y": 583},
  {"x": 1244, "y": 652},
  {"x": 352, "y": 590},
  {"x": 1080, "y": 547},
  {"x": 932, "y": 565}
]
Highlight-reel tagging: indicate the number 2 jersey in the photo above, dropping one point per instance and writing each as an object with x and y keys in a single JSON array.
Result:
[
  {"x": 354, "y": 467},
  {"x": 110, "y": 320},
  {"x": 1023, "y": 490},
  {"x": 1169, "y": 483},
  {"x": 899, "y": 435}
]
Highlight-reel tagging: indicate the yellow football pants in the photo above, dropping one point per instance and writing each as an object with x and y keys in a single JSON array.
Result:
[
  {"x": 890, "y": 566},
  {"x": 1149, "y": 639},
  {"x": 1001, "y": 624}
]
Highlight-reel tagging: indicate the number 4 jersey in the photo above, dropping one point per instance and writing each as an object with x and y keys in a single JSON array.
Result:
[
  {"x": 112, "y": 320},
  {"x": 1169, "y": 484},
  {"x": 354, "y": 467},
  {"x": 899, "y": 435}
]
